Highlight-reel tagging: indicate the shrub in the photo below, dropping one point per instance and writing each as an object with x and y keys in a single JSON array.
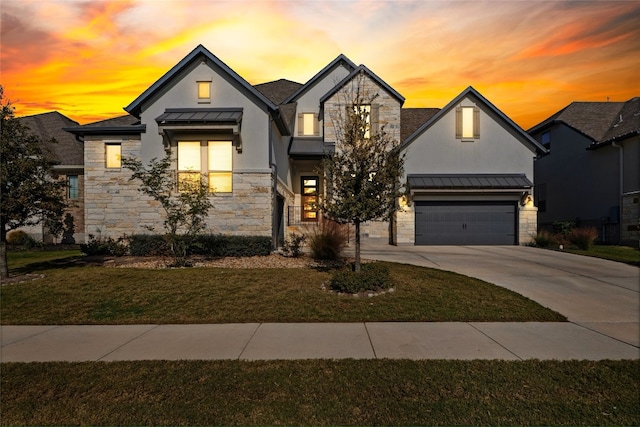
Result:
[
  {"x": 148, "y": 245},
  {"x": 327, "y": 240},
  {"x": 214, "y": 245},
  {"x": 21, "y": 238},
  {"x": 583, "y": 238},
  {"x": 105, "y": 246},
  {"x": 543, "y": 239},
  {"x": 293, "y": 245},
  {"x": 372, "y": 277}
]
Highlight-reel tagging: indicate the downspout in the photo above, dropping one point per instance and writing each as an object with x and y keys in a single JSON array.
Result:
[
  {"x": 274, "y": 168},
  {"x": 621, "y": 184}
]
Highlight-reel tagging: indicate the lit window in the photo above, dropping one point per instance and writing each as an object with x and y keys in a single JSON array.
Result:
[
  {"x": 72, "y": 187},
  {"x": 113, "y": 156},
  {"x": 308, "y": 124},
  {"x": 467, "y": 123},
  {"x": 309, "y": 198},
  {"x": 220, "y": 165},
  {"x": 189, "y": 164},
  {"x": 204, "y": 91}
]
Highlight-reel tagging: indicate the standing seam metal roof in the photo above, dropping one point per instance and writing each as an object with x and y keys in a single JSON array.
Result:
[{"x": 469, "y": 181}]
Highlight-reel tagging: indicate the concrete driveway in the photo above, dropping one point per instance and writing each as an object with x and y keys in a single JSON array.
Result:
[{"x": 600, "y": 295}]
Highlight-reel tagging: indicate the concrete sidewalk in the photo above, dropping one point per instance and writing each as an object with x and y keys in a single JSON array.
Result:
[{"x": 254, "y": 341}]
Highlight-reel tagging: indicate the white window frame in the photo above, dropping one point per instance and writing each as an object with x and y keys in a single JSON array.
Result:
[
  {"x": 107, "y": 164},
  {"x": 203, "y": 97}
]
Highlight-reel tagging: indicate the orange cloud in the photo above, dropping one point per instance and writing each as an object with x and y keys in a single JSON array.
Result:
[{"x": 89, "y": 59}]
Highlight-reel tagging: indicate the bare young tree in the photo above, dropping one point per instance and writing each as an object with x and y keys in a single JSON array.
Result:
[{"x": 362, "y": 176}]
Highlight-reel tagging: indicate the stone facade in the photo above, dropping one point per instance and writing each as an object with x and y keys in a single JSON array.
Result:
[
  {"x": 388, "y": 107},
  {"x": 527, "y": 223},
  {"x": 114, "y": 206},
  {"x": 630, "y": 230}
]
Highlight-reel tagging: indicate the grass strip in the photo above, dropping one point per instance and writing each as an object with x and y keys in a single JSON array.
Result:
[
  {"x": 323, "y": 392},
  {"x": 99, "y": 295},
  {"x": 623, "y": 254}
]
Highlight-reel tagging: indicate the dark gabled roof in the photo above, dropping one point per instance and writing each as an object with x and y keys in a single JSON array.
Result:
[
  {"x": 121, "y": 125},
  {"x": 363, "y": 70},
  {"x": 469, "y": 181},
  {"x": 67, "y": 150},
  {"x": 627, "y": 124},
  {"x": 412, "y": 118},
  {"x": 470, "y": 91},
  {"x": 200, "y": 115},
  {"x": 592, "y": 119},
  {"x": 199, "y": 53},
  {"x": 288, "y": 115},
  {"x": 278, "y": 90},
  {"x": 340, "y": 60}
]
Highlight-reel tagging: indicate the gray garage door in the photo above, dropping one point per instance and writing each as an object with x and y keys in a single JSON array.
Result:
[{"x": 465, "y": 223}]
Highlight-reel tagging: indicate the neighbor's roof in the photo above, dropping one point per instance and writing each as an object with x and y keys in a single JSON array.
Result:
[
  {"x": 592, "y": 119},
  {"x": 68, "y": 150},
  {"x": 469, "y": 181},
  {"x": 626, "y": 124}
]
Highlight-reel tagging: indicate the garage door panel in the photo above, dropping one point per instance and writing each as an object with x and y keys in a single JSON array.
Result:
[{"x": 465, "y": 223}]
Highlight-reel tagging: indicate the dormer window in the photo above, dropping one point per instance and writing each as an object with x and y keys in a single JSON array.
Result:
[
  {"x": 204, "y": 92},
  {"x": 467, "y": 123},
  {"x": 308, "y": 124}
]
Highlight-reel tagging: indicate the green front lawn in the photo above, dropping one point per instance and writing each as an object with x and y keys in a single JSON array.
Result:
[
  {"x": 71, "y": 294},
  {"x": 322, "y": 392},
  {"x": 623, "y": 254}
]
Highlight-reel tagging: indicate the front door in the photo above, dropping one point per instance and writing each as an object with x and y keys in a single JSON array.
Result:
[{"x": 310, "y": 191}]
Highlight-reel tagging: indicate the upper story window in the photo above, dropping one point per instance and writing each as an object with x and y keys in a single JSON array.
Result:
[
  {"x": 113, "y": 155},
  {"x": 546, "y": 140},
  {"x": 204, "y": 92},
  {"x": 467, "y": 123},
  {"x": 308, "y": 124},
  {"x": 72, "y": 187},
  {"x": 369, "y": 114},
  {"x": 212, "y": 159}
]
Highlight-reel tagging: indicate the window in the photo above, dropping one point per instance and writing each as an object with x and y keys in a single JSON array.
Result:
[
  {"x": 189, "y": 163},
  {"x": 467, "y": 123},
  {"x": 218, "y": 161},
  {"x": 365, "y": 113},
  {"x": 113, "y": 156},
  {"x": 204, "y": 91},
  {"x": 72, "y": 187},
  {"x": 546, "y": 140},
  {"x": 309, "y": 198},
  {"x": 308, "y": 124}
]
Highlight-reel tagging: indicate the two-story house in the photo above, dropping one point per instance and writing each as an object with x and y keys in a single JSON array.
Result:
[
  {"x": 261, "y": 148},
  {"x": 591, "y": 173}
]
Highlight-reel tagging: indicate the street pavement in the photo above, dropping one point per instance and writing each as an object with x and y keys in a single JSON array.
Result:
[{"x": 600, "y": 298}]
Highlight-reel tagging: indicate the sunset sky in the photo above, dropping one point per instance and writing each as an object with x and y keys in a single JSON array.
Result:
[{"x": 89, "y": 59}]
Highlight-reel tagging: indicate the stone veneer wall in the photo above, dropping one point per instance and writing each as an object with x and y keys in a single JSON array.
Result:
[
  {"x": 114, "y": 206},
  {"x": 527, "y": 223},
  {"x": 630, "y": 220},
  {"x": 388, "y": 113}
]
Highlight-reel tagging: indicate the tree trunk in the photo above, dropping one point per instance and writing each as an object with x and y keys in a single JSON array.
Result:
[{"x": 357, "y": 263}]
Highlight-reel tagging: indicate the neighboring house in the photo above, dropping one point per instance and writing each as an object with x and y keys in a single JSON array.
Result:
[
  {"x": 67, "y": 157},
  {"x": 591, "y": 174},
  {"x": 261, "y": 148}
]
